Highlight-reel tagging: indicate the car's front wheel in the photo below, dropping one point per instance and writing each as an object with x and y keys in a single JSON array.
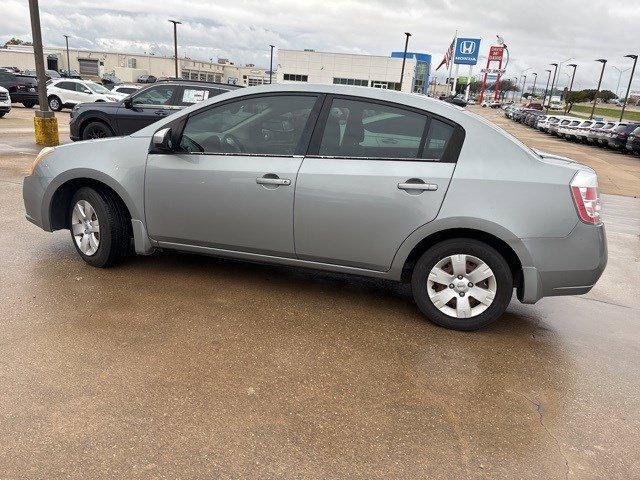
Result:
[
  {"x": 29, "y": 104},
  {"x": 96, "y": 130},
  {"x": 100, "y": 227},
  {"x": 462, "y": 284}
]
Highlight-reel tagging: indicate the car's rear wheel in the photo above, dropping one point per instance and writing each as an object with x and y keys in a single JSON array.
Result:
[
  {"x": 96, "y": 130},
  {"x": 29, "y": 104},
  {"x": 55, "y": 103},
  {"x": 462, "y": 284},
  {"x": 100, "y": 227}
]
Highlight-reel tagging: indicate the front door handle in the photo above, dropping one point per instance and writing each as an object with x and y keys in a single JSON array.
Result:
[
  {"x": 273, "y": 180},
  {"x": 417, "y": 184},
  {"x": 161, "y": 112}
]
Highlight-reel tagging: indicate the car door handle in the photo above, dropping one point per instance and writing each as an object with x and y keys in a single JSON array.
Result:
[
  {"x": 160, "y": 112},
  {"x": 415, "y": 185},
  {"x": 272, "y": 180}
]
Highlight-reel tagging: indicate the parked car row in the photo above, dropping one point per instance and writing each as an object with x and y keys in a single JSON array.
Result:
[{"x": 622, "y": 136}]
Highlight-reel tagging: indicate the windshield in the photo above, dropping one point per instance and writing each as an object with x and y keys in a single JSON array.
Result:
[
  {"x": 608, "y": 126},
  {"x": 97, "y": 88}
]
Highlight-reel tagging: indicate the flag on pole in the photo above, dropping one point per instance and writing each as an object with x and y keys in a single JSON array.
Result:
[{"x": 448, "y": 54}]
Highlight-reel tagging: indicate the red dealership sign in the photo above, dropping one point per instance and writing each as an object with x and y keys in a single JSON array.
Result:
[{"x": 495, "y": 53}]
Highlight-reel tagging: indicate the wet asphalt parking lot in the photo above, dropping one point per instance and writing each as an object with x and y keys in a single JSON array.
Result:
[{"x": 179, "y": 366}]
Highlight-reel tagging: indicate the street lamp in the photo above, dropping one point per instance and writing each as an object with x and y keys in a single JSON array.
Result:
[
  {"x": 66, "y": 38},
  {"x": 271, "y": 65},
  {"x": 535, "y": 79},
  {"x": 544, "y": 98},
  {"x": 175, "y": 43},
  {"x": 595, "y": 98},
  {"x": 633, "y": 69},
  {"x": 404, "y": 58},
  {"x": 524, "y": 82},
  {"x": 555, "y": 70},
  {"x": 620, "y": 72},
  {"x": 573, "y": 76}
]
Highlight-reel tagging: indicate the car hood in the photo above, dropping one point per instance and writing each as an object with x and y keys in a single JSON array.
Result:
[{"x": 97, "y": 106}]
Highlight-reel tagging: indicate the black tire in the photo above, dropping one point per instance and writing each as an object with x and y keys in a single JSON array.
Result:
[
  {"x": 115, "y": 227},
  {"x": 480, "y": 250},
  {"x": 55, "y": 103},
  {"x": 29, "y": 104},
  {"x": 96, "y": 130},
  {"x": 2, "y": 114}
]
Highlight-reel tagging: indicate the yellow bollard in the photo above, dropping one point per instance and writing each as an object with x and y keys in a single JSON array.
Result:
[{"x": 46, "y": 129}]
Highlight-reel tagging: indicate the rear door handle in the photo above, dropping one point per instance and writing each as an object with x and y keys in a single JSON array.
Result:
[
  {"x": 409, "y": 185},
  {"x": 271, "y": 179},
  {"x": 160, "y": 112}
]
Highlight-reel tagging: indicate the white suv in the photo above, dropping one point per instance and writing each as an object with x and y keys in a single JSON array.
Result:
[
  {"x": 5, "y": 102},
  {"x": 66, "y": 92}
]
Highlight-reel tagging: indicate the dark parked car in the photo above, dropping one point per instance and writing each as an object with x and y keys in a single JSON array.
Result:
[
  {"x": 109, "y": 80},
  {"x": 457, "y": 100},
  {"x": 633, "y": 141},
  {"x": 618, "y": 137},
  {"x": 22, "y": 88},
  {"x": 50, "y": 74},
  {"x": 72, "y": 74},
  {"x": 150, "y": 104},
  {"x": 147, "y": 79}
]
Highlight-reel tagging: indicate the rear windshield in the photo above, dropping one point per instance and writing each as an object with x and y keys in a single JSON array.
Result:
[
  {"x": 586, "y": 124},
  {"x": 598, "y": 125},
  {"x": 636, "y": 132},
  {"x": 621, "y": 128},
  {"x": 608, "y": 126},
  {"x": 575, "y": 123}
]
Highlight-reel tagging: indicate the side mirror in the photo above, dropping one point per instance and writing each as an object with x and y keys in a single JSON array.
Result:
[
  {"x": 127, "y": 102},
  {"x": 161, "y": 140}
]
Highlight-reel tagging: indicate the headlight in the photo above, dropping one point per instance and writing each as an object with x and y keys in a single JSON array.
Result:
[{"x": 43, "y": 153}]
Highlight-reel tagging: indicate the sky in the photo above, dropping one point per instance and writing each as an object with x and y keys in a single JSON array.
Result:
[{"x": 536, "y": 32}]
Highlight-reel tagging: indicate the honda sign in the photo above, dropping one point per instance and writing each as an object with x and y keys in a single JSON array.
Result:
[{"x": 467, "y": 50}]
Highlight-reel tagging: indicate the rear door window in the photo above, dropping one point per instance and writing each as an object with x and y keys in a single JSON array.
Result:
[{"x": 361, "y": 129}]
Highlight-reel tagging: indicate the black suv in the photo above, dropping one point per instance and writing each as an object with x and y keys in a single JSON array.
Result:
[
  {"x": 22, "y": 88},
  {"x": 146, "y": 106}
]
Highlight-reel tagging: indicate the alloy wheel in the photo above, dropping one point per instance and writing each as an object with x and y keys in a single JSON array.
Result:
[
  {"x": 85, "y": 227},
  {"x": 461, "y": 286}
]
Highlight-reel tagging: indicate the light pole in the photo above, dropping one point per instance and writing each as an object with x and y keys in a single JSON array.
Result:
[
  {"x": 66, "y": 39},
  {"x": 175, "y": 43},
  {"x": 524, "y": 82},
  {"x": 404, "y": 58},
  {"x": 555, "y": 70},
  {"x": 595, "y": 98},
  {"x": 620, "y": 72},
  {"x": 271, "y": 64},
  {"x": 535, "y": 79},
  {"x": 633, "y": 69},
  {"x": 544, "y": 98},
  {"x": 573, "y": 76}
]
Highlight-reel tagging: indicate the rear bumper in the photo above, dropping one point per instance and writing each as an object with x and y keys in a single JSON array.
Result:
[
  {"x": 564, "y": 266},
  {"x": 19, "y": 97}
]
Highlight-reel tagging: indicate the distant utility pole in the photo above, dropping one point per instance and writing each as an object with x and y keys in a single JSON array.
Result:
[
  {"x": 271, "y": 65},
  {"x": 595, "y": 98},
  {"x": 553, "y": 82},
  {"x": 535, "y": 79},
  {"x": 404, "y": 58},
  {"x": 45, "y": 123},
  {"x": 66, "y": 39},
  {"x": 633, "y": 69},
  {"x": 175, "y": 43},
  {"x": 524, "y": 82},
  {"x": 573, "y": 76},
  {"x": 544, "y": 98}
]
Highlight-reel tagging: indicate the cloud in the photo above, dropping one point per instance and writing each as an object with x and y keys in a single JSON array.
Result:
[{"x": 537, "y": 33}]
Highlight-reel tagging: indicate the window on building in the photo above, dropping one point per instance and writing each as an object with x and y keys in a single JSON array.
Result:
[
  {"x": 255, "y": 81},
  {"x": 385, "y": 85},
  {"x": 132, "y": 63},
  {"x": 294, "y": 77},
  {"x": 351, "y": 81}
]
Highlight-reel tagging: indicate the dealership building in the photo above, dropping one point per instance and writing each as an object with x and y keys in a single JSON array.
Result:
[
  {"x": 355, "y": 69},
  {"x": 129, "y": 66}
]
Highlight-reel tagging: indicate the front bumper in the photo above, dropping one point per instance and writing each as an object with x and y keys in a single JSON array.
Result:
[
  {"x": 33, "y": 189},
  {"x": 569, "y": 265},
  {"x": 5, "y": 108}
]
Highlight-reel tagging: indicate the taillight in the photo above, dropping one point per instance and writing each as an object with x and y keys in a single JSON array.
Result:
[{"x": 586, "y": 197}]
